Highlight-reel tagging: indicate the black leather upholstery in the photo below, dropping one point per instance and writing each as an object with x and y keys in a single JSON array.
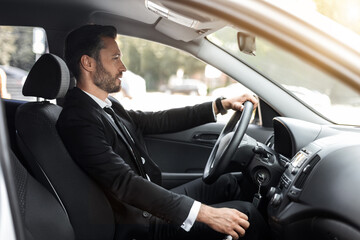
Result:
[
  {"x": 43, "y": 217},
  {"x": 48, "y": 78},
  {"x": 89, "y": 210}
]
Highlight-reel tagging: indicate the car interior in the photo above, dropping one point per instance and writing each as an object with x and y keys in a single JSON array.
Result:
[{"x": 304, "y": 166}]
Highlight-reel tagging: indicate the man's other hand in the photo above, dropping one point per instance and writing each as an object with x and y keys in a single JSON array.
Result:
[{"x": 225, "y": 220}]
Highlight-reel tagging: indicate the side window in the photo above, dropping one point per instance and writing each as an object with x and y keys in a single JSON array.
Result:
[
  {"x": 20, "y": 47},
  {"x": 161, "y": 77}
]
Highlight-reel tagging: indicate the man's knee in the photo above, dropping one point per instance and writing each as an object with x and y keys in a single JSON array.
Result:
[
  {"x": 228, "y": 178},
  {"x": 230, "y": 185},
  {"x": 250, "y": 209}
]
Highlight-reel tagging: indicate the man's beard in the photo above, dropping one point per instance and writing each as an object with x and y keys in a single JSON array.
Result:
[{"x": 105, "y": 81}]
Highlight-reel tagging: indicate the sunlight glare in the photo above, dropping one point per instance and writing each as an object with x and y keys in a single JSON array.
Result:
[{"x": 352, "y": 14}]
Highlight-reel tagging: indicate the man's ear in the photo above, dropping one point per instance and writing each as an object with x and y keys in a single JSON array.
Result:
[{"x": 87, "y": 63}]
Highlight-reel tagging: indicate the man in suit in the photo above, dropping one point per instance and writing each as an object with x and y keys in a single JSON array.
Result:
[{"x": 107, "y": 142}]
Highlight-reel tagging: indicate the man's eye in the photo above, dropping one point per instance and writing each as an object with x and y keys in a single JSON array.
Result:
[{"x": 116, "y": 57}]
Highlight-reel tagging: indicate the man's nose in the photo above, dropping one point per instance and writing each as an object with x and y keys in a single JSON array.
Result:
[{"x": 122, "y": 67}]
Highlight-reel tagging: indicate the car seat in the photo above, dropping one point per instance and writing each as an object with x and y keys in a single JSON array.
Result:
[
  {"x": 88, "y": 209},
  {"x": 42, "y": 216}
]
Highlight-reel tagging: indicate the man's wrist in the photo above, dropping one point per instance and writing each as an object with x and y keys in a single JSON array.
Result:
[
  {"x": 219, "y": 106},
  {"x": 203, "y": 215}
]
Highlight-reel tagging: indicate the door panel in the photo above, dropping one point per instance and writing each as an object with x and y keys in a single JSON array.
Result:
[
  {"x": 177, "y": 156},
  {"x": 186, "y": 151},
  {"x": 182, "y": 156}
]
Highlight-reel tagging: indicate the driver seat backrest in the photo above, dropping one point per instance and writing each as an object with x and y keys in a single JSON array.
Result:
[{"x": 88, "y": 209}]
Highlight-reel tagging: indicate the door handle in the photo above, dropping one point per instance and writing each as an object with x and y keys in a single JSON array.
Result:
[{"x": 205, "y": 138}]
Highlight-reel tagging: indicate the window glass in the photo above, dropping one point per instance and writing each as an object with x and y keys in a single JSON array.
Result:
[
  {"x": 320, "y": 91},
  {"x": 161, "y": 77},
  {"x": 20, "y": 47}
]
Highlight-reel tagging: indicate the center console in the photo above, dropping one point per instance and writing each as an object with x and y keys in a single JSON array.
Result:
[{"x": 291, "y": 182}]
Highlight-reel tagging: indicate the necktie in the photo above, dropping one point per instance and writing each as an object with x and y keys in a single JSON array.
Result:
[{"x": 129, "y": 139}]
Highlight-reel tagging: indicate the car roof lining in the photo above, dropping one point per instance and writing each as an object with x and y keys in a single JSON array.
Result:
[{"x": 79, "y": 12}]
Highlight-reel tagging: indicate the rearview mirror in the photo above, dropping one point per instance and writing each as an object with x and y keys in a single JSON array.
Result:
[{"x": 246, "y": 43}]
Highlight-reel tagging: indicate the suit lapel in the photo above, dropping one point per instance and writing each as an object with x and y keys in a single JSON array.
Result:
[
  {"x": 84, "y": 101},
  {"x": 88, "y": 103},
  {"x": 119, "y": 132},
  {"x": 150, "y": 166}
]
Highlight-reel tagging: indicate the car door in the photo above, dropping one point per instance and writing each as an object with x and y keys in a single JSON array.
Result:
[
  {"x": 158, "y": 78},
  {"x": 182, "y": 156}
]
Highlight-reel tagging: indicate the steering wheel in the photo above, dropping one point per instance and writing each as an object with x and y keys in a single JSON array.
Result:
[{"x": 227, "y": 143}]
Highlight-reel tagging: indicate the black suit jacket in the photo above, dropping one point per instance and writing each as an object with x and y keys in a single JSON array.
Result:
[{"x": 92, "y": 140}]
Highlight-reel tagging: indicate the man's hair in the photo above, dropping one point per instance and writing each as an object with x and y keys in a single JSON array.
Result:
[{"x": 85, "y": 40}]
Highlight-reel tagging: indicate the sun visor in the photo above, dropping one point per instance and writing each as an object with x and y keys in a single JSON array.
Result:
[
  {"x": 182, "y": 24},
  {"x": 176, "y": 31}
]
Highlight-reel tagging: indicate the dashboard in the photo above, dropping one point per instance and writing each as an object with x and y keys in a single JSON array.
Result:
[{"x": 317, "y": 196}]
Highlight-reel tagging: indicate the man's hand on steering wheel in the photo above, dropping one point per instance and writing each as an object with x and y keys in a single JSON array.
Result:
[{"x": 236, "y": 103}]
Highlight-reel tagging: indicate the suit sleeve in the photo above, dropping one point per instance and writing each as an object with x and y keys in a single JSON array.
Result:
[
  {"x": 173, "y": 120},
  {"x": 86, "y": 141}
]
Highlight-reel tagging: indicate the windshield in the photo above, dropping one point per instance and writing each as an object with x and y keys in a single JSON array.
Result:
[
  {"x": 344, "y": 12},
  {"x": 320, "y": 91}
]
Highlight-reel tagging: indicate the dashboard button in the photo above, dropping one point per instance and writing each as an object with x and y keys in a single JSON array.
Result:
[
  {"x": 294, "y": 171},
  {"x": 271, "y": 192},
  {"x": 294, "y": 193}
]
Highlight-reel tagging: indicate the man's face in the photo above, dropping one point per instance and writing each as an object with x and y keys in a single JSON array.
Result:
[{"x": 109, "y": 67}]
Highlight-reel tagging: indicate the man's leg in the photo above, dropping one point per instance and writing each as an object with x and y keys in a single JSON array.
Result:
[{"x": 226, "y": 188}]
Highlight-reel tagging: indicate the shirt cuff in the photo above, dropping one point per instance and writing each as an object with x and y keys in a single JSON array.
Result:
[{"x": 190, "y": 220}]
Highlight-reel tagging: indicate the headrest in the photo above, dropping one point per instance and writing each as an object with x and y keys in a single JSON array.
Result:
[{"x": 49, "y": 78}]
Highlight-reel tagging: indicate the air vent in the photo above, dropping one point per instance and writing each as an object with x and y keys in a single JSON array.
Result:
[{"x": 300, "y": 181}]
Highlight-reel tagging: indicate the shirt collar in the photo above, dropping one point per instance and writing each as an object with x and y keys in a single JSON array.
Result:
[{"x": 101, "y": 103}]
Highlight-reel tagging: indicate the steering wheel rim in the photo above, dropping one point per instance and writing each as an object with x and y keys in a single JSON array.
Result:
[{"x": 227, "y": 143}]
